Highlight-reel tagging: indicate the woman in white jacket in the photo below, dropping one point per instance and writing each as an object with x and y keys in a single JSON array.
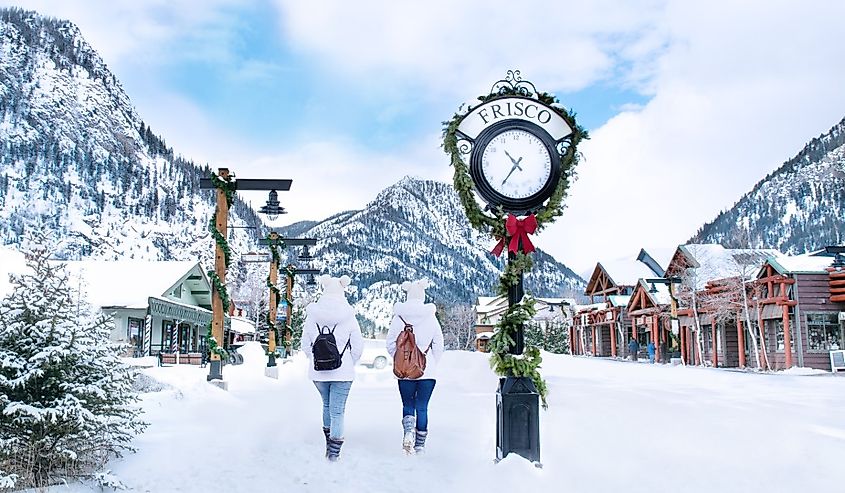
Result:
[
  {"x": 416, "y": 393},
  {"x": 332, "y": 313}
]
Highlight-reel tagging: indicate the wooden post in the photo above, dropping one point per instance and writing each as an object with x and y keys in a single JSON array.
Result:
[
  {"x": 655, "y": 337},
  {"x": 289, "y": 305},
  {"x": 714, "y": 357},
  {"x": 740, "y": 334},
  {"x": 682, "y": 334},
  {"x": 613, "y": 339},
  {"x": 787, "y": 337},
  {"x": 271, "y": 316},
  {"x": 218, "y": 310},
  {"x": 572, "y": 339},
  {"x": 593, "y": 333}
]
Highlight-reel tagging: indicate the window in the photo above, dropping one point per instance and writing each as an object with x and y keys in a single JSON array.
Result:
[
  {"x": 777, "y": 327},
  {"x": 823, "y": 332}
]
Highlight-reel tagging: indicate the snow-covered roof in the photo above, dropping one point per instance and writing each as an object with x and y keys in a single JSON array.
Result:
[
  {"x": 484, "y": 335},
  {"x": 619, "y": 299},
  {"x": 626, "y": 272},
  {"x": 800, "y": 263},
  {"x": 711, "y": 261},
  {"x": 242, "y": 325},
  {"x": 127, "y": 283}
]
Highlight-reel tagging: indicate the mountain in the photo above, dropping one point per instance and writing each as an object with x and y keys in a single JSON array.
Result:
[
  {"x": 77, "y": 159},
  {"x": 798, "y": 208},
  {"x": 417, "y": 229}
]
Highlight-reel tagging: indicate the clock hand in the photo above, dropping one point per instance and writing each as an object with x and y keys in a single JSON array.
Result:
[{"x": 515, "y": 166}]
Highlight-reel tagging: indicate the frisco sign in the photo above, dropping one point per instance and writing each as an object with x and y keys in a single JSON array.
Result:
[{"x": 491, "y": 112}]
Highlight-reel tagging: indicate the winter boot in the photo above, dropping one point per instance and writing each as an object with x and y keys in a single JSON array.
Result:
[
  {"x": 419, "y": 443},
  {"x": 333, "y": 452},
  {"x": 326, "y": 432},
  {"x": 408, "y": 423}
]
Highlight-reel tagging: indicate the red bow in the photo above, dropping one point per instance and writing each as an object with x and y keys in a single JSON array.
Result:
[{"x": 518, "y": 229}]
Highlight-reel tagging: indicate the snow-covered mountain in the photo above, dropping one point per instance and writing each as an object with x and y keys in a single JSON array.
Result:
[
  {"x": 77, "y": 159},
  {"x": 798, "y": 208},
  {"x": 417, "y": 229}
]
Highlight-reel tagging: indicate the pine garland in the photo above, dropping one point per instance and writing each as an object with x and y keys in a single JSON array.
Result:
[
  {"x": 213, "y": 346},
  {"x": 228, "y": 186},
  {"x": 493, "y": 223}
]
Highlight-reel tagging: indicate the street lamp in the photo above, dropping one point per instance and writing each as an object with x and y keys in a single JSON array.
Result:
[
  {"x": 272, "y": 207},
  {"x": 222, "y": 213}
]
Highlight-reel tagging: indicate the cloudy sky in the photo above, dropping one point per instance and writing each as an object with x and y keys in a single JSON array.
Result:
[{"x": 688, "y": 104}]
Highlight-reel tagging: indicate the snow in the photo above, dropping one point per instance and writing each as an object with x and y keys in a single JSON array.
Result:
[
  {"x": 627, "y": 271},
  {"x": 611, "y": 426},
  {"x": 801, "y": 263},
  {"x": 137, "y": 280}
]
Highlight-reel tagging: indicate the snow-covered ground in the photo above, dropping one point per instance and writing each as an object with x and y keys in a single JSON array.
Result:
[{"x": 611, "y": 426}]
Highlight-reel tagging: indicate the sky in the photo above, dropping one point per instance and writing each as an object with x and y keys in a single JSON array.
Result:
[{"x": 688, "y": 104}]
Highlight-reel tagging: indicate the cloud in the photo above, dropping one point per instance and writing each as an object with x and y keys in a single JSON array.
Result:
[
  {"x": 330, "y": 176},
  {"x": 154, "y": 31},
  {"x": 465, "y": 46},
  {"x": 737, "y": 92}
]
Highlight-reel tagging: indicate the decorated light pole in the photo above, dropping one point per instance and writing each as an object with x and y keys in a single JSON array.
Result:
[
  {"x": 275, "y": 336},
  {"x": 517, "y": 151},
  {"x": 226, "y": 186}
]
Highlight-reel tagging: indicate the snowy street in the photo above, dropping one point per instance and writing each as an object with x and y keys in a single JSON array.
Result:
[{"x": 611, "y": 426}]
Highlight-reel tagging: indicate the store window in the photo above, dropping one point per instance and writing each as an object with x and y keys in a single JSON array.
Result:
[
  {"x": 776, "y": 326},
  {"x": 135, "y": 333},
  {"x": 823, "y": 332}
]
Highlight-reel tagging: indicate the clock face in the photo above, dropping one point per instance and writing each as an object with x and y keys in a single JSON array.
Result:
[{"x": 516, "y": 164}]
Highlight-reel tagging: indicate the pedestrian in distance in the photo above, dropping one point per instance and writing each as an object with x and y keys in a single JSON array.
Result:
[
  {"x": 650, "y": 348},
  {"x": 415, "y": 341},
  {"x": 633, "y": 349},
  {"x": 332, "y": 341}
]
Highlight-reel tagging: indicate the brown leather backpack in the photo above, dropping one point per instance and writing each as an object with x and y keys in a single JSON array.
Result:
[{"x": 408, "y": 360}]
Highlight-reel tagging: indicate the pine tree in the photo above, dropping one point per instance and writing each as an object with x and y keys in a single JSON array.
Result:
[{"x": 66, "y": 399}]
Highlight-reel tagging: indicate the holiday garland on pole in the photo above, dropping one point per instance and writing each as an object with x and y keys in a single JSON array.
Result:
[
  {"x": 227, "y": 185},
  {"x": 276, "y": 259},
  {"x": 494, "y": 223}
]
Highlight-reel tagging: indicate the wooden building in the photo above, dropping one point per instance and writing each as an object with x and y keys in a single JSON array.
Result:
[
  {"x": 801, "y": 307},
  {"x": 712, "y": 285},
  {"x": 602, "y": 327},
  {"x": 649, "y": 310}
]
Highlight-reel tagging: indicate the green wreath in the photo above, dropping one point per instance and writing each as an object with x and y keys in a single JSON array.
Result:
[{"x": 493, "y": 223}]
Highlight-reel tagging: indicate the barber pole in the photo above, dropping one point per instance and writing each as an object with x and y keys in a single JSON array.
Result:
[{"x": 148, "y": 334}]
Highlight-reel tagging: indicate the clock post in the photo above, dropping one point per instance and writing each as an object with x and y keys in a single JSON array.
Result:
[{"x": 514, "y": 155}]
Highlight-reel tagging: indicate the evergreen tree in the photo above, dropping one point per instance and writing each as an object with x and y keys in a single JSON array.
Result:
[{"x": 66, "y": 399}]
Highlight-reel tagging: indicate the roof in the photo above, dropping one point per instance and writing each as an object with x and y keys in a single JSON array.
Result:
[
  {"x": 619, "y": 300},
  {"x": 800, "y": 264},
  {"x": 712, "y": 261},
  {"x": 242, "y": 325},
  {"x": 128, "y": 283}
]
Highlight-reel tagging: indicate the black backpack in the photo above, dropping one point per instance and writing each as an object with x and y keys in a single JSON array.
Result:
[{"x": 324, "y": 349}]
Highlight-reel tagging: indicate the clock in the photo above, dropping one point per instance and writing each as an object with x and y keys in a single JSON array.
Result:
[{"x": 515, "y": 166}]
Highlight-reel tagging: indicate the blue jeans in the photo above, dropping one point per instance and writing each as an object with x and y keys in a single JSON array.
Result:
[
  {"x": 415, "y": 396},
  {"x": 334, "y": 396}
]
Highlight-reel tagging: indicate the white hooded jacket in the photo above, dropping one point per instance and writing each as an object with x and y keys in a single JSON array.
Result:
[
  {"x": 426, "y": 331},
  {"x": 333, "y": 311}
]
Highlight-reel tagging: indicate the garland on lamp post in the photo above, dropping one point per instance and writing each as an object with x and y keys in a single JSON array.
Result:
[
  {"x": 493, "y": 223},
  {"x": 227, "y": 185},
  {"x": 275, "y": 244}
]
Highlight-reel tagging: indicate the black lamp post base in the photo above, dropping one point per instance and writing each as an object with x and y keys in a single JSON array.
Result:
[
  {"x": 518, "y": 419},
  {"x": 214, "y": 372}
]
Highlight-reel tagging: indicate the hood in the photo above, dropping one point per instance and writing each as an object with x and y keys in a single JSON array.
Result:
[{"x": 414, "y": 309}]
